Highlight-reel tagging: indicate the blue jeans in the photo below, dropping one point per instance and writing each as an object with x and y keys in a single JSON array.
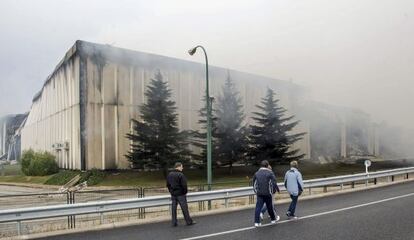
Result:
[
  {"x": 261, "y": 200},
  {"x": 292, "y": 206}
]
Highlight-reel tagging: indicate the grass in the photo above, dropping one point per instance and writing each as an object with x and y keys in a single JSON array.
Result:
[
  {"x": 10, "y": 170},
  {"x": 221, "y": 176},
  {"x": 240, "y": 175},
  {"x": 23, "y": 179},
  {"x": 62, "y": 177}
]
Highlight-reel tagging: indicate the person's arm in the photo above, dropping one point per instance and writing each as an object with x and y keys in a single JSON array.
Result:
[
  {"x": 169, "y": 185},
  {"x": 254, "y": 183},
  {"x": 183, "y": 181},
  {"x": 300, "y": 181},
  {"x": 274, "y": 183},
  {"x": 285, "y": 182}
]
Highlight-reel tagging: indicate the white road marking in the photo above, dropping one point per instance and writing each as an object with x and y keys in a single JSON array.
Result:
[{"x": 301, "y": 218}]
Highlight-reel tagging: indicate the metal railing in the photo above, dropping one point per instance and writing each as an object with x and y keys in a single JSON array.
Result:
[{"x": 101, "y": 207}]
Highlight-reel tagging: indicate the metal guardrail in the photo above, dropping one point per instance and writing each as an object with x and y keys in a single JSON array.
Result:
[{"x": 100, "y": 207}]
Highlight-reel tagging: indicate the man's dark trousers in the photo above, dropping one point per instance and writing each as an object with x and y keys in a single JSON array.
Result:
[
  {"x": 182, "y": 200},
  {"x": 261, "y": 200}
]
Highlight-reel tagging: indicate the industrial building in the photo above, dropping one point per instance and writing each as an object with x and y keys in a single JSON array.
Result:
[{"x": 84, "y": 109}]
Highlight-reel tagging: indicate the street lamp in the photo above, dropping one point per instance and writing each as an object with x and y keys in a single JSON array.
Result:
[{"x": 208, "y": 106}]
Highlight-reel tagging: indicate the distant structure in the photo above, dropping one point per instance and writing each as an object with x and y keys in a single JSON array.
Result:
[
  {"x": 85, "y": 107},
  {"x": 10, "y": 126}
]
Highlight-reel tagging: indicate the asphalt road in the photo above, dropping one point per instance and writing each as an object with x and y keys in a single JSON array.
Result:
[{"x": 382, "y": 213}]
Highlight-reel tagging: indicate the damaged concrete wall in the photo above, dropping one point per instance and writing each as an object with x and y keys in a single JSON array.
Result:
[
  {"x": 117, "y": 80},
  {"x": 90, "y": 99},
  {"x": 53, "y": 121}
]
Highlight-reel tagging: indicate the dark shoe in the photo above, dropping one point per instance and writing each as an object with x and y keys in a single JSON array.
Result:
[
  {"x": 192, "y": 223},
  {"x": 174, "y": 225}
]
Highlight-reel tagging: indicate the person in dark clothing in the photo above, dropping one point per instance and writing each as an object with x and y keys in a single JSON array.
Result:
[
  {"x": 264, "y": 185},
  {"x": 177, "y": 186},
  {"x": 264, "y": 209}
]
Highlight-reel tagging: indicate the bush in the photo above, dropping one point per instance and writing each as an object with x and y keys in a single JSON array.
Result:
[
  {"x": 38, "y": 163},
  {"x": 27, "y": 156}
]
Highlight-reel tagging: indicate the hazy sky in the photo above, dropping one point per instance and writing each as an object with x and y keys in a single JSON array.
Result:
[{"x": 356, "y": 53}]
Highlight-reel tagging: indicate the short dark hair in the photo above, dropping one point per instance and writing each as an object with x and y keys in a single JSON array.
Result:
[
  {"x": 264, "y": 163},
  {"x": 177, "y": 164}
]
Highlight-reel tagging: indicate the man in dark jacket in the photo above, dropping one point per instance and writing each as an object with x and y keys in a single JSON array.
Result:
[
  {"x": 177, "y": 186},
  {"x": 264, "y": 185}
]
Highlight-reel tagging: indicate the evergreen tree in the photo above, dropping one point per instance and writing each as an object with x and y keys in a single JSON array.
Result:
[
  {"x": 157, "y": 141},
  {"x": 270, "y": 139},
  {"x": 232, "y": 141},
  {"x": 200, "y": 137}
]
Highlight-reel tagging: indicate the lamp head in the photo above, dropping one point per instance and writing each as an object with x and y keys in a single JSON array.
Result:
[{"x": 192, "y": 51}]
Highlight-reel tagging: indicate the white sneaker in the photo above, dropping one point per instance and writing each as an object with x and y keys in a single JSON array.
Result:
[
  {"x": 257, "y": 224},
  {"x": 261, "y": 216},
  {"x": 273, "y": 222},
  {"x": 293, "y": 217},
  {"x": 277, "y": 218}
]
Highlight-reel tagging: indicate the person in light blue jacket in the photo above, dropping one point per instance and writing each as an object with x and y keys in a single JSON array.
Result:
[{"x": 294, "y": 186}]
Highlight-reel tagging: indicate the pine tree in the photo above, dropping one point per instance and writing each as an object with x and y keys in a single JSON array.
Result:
[
  {"x": 157, "y": 142},
  {"x": 270, "y": 139},
  {"x": 199, "y": 138},
  {"x": 232, "y": 141}
]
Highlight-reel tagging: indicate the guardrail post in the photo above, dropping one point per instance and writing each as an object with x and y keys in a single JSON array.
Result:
[
  {"x": 201, "y": 203},
  {"x": 366, "y": 183},
  {"x": 375, "y": 181},
  {"x": 226, "y": 201},
  {"x": 141, "y": 211},
  {"x": 325, "y": 189},
  {"x": 392, "y": 178},
  {"x": 209, "y": 201},
  {"x": 342, "y": 186},
  {"x": 70, "y": 197},
  {"x": 407, "y": 175},
  {"x": 353, "y": 185},
  {"x": 251, "y": 197},
  {"x": 19, "y": 228},
  {"x": 310, "y": 191},
  {"x": 101, "y": 217}
]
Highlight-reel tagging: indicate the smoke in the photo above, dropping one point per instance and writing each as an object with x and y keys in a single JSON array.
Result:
[{"x": 355, "y": 54}]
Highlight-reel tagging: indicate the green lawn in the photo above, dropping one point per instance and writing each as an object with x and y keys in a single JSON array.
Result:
[
  {"x": 13, "y": 174},
  {"x": 10, "y": 170},
  {"x": 239, "y": 177},
  {"x": 23, "y": 179},
  {"x": 221, "y": 176}
]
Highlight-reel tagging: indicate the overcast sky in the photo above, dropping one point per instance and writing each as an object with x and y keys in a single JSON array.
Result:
[{"x": 356, "y": 53}]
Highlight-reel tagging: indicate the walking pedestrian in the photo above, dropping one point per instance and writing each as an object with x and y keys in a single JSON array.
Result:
[
  {"x": 264, "y": 209},
  {"x": 264, "y": 185},
  {"x": 177, "y": 186},
  {"x": 294, "y": 186}
]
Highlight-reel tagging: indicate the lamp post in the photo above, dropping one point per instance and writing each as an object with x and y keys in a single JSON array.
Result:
[{"x": 208, "y": 106}]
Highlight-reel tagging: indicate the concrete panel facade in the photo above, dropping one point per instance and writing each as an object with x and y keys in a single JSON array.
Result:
[
  {"x": 115, "y": 81},
  {"x": 53, "y": 122}
]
